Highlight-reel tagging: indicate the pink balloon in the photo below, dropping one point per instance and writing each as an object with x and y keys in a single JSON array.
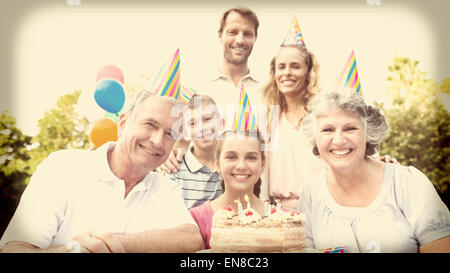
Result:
[{"x": 110, "y": 72}]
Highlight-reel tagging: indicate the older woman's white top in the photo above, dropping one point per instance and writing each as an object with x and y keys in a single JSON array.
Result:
[{"x": 406, "y": 214}]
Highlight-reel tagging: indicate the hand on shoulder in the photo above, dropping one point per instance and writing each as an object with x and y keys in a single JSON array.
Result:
[{"x": 172, "y": 163}]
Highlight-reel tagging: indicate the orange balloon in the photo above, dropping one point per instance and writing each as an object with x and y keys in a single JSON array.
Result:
[{"x": 104, "y": 130}]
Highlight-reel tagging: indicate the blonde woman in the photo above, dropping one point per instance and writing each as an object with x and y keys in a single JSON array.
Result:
[{"x": 292, "y": 84}]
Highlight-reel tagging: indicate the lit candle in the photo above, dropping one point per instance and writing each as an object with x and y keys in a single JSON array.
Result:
[
  {"x": 266, "y": 208},
  {"x": 248, "y": 201},
  {"x": 238, "y": 201}
]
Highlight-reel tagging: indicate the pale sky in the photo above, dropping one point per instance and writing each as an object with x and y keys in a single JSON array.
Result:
[{"x": 58, "y": 48}]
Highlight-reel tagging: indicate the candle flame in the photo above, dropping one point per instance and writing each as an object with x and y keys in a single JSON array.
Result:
[
  {"x": 248, "y": 201},
  {"x": 237, "y": 200}
]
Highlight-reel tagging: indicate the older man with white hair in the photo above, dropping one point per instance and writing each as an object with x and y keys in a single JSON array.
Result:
[{"x": 109, "y": 200}]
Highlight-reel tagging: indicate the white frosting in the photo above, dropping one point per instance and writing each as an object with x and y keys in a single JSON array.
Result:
[
  {"x": 249, "y": 215},
  {"x": 281, "y": 215},
  {"x": 297, "y": 216},
  {"x": 222, "y": 215}
]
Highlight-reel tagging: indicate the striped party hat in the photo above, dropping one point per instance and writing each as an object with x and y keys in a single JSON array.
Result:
[
  {"x": 244, "y": 118},
  {"x": 349, "y": 76},
  {"x": 186, "y": 93},
  {"x": 167, "y": 82},
  {"x": 339, "y": 249},
  {"x": 294, "y": 35}
]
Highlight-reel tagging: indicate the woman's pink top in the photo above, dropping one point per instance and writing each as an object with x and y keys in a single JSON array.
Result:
[{"x": 203, "y": 215}]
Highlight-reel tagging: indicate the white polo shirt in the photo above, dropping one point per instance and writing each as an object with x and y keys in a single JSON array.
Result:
[
  {"x": 75, "y": 191},
  {"x": 221, "y": 89}
]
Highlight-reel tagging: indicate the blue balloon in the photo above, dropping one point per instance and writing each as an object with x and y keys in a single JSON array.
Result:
[{"x": 109, "y": 95}]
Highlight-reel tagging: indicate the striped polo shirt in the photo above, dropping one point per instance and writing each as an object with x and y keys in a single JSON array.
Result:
[{"x": 198, "y": 183}]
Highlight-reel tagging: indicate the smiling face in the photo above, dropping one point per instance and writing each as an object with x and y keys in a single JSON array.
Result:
[
  {"x": 290, "y": 70},
  {"x": 241, "y": 164},
  {"x": 204, "y": 125},
  {"x": 341, "y": 140},
  {"x": 237, "y": 38},
  {"x": 145, "y": 137}
]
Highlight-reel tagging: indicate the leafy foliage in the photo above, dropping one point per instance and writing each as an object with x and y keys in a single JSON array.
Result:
[
  {"x": 13, "y": 144},
  {"x": 13, "y": 148},
  {"x": 60, "y": 128},
  {"x": 420, "y": 123}
]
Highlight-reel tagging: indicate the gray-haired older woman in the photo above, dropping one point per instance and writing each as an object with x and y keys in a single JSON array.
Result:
[{"x": 362, "y": 203}]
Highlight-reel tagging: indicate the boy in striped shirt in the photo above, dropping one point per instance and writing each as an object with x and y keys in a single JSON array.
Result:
[{"x": 198, "y": 177}]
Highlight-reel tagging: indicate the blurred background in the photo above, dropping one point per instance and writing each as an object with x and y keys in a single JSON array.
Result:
[{"x": 51, "y": 51}]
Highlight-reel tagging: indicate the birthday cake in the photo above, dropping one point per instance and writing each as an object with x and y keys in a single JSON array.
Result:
[{"x": 279, "y": 231}]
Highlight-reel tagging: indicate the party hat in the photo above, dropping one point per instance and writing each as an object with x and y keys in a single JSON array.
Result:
[
  {"x": 186, "y": 93},
  {"x": 339, "y": 249},
  {"x": 294, "y": 35},
  {"x": 167, "y": 82},
  {"x": 244, "y": 118},
  {"x": 349, "y": 76}
]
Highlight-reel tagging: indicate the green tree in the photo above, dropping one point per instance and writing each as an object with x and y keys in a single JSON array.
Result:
[
  {"x": 13, "y": 149},
  {"x": 420, "y": 123},
  {"x": 60, "y": 128}
]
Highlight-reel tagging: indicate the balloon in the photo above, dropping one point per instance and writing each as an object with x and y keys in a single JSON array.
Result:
[
  {"x": 109, "y": 95},
  {"x": 110, "y": 72},
  {"x": 104, "y": 130}
]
